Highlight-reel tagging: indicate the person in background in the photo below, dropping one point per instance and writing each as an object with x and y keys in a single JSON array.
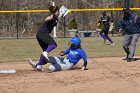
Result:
[
  {"x": 74, "y": 53},
  {"x": 105, "y": 21},
  {"x": 131, "y": 24}
]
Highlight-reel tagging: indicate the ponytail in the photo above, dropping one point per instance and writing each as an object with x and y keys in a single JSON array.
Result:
[{"x": 53, "y": 9}]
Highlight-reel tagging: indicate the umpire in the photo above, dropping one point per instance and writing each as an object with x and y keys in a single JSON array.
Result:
[{"x": 131, "y": 24}]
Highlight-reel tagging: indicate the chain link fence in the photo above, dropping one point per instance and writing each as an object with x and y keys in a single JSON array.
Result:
[{"x": 26, "y": 24}]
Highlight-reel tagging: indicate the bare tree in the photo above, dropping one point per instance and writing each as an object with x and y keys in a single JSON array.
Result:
[{"x": 30, "y": 22}]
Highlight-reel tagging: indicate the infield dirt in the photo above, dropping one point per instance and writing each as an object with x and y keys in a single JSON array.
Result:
[{"x": 105, "y": 75}]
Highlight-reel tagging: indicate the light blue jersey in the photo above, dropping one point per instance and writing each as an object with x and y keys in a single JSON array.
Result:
[{"x": 74, "y": 55}]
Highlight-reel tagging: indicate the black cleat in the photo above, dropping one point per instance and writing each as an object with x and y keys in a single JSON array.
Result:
[{"x": 130, "y": 59}]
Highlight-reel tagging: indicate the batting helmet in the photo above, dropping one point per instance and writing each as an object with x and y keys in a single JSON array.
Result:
[{"x": 75, "y": 42}]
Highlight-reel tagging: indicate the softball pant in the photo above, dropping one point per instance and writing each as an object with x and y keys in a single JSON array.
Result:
[
  {"x": 44, "y": 40},
  {"x": 129, "y": 44},
  {"x": 105, "y": 30},
  {"x": 47, "y": 44},
  {"x": 105, "y": 35},
  {"x": 59, "y": 64}
]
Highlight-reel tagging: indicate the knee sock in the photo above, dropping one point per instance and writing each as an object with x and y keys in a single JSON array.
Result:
[
  {"x": 103, "y": 36},
  {"x": 109, "y": 39},
  {"x": 42, "y": 61},
  {"x": 50, "y": 48}
]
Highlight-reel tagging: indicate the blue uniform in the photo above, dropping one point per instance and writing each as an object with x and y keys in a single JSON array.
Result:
[{"x": 74, "y": 55}]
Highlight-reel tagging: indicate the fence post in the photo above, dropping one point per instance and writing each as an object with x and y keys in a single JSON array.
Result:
[
  {"x": 127, "y": 4},
  {"x": 17, "y": 19},
  {"x": 64, "y": 26}
]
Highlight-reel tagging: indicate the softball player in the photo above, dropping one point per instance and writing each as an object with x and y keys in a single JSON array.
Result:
[
  {"x": 105, "y": 20},
  {"x": 74, "y": 54},
  {"x": 46, "y": 42},
  {"x": 131, "y": 24}
]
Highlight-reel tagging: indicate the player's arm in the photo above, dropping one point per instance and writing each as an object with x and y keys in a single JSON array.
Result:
[
  {"x": 84, "y": 66},
  {"x": 60, "y": 15},
  {"x": 99, "y": 22},
  {"x": 121, "y": 26},
  {"x": 62, "y": 53},
  {"x": 84, "y": 57},
  {"x": 138, "y": 21},
  {"x": 111, "y": 21},
  {"x": 49, "y": 18},
  {"x": 108, "y": 19},
  {"x": 111, "y": 25}
]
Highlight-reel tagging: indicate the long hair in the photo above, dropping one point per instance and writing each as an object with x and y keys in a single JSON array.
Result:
[{"x": 53, "y": 9}]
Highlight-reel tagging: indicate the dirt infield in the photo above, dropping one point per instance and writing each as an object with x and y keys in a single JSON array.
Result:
[{"x": 105, "y": 75}]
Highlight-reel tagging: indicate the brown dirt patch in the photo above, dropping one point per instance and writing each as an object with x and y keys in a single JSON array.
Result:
[{"x": 105, "y": 75}]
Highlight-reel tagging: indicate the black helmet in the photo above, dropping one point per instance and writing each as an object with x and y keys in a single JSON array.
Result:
[{"x": 104, "y": 13}]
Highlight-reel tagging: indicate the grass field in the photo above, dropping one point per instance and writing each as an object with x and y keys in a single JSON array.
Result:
[
  {"x": 107, "y": 72},
  {"x": 23, "y": 49}
]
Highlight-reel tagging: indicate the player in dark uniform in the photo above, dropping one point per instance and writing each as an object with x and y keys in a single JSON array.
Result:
[
  {"x": 44, "y": 39},
  {"x": 105, "y": 20},
  {"x": 131, "y": 24}
]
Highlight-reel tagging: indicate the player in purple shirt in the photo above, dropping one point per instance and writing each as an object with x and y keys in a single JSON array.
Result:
[
  {"x": 105, "y": 20},
  {"x": 46, "y": 42}
]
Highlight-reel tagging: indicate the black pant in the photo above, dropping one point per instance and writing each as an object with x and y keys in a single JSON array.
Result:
[
  {"x": 105, "y": 30},
  {"x": 44, "y": 39}
]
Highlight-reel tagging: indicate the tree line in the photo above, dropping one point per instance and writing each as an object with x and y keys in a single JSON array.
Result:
[{"x": 28, "y": 23}]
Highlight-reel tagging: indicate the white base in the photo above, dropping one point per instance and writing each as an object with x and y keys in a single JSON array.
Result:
[{"x": 10, "y": 71}]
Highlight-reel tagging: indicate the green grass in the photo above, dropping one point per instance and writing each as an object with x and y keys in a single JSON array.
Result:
[{"x": 23, "y": 49}]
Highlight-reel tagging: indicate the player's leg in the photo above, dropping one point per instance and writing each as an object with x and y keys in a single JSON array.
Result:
[
  {"x": 41, "y": 61},
  {"x": 52, "y": 59},
  {"x": 109, "y": 39},
  {"x": 42, "y": 38},
  {"x": 132, "y": 46},
  {"x": 51, "y": 45},
  {"x": 48, "y": 41},
  {"x": 126, "y": 42},
  {"x": 55, "y": 63},
  {"x": 102, "y": 34},
  {"x": 106, "y": 34},
  {"x": 43, "y": 45},
  {"x": 34, "y": 65},
  {"x": 61, "y": 65}
]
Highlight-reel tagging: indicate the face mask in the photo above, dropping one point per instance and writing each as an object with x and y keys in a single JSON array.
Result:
[{"x": 126, "y": 14}]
